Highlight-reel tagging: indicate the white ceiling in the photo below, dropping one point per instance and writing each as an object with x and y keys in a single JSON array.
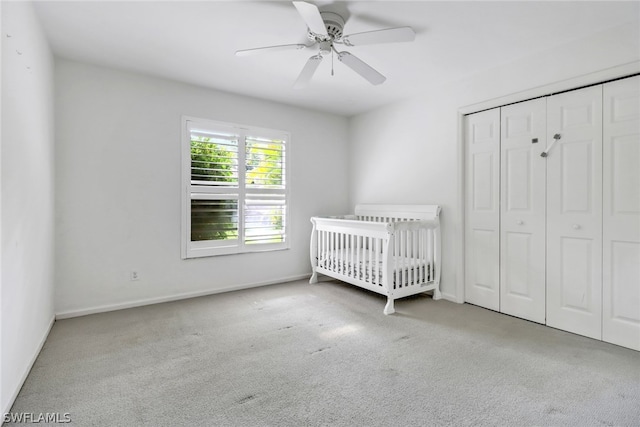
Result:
[{"x": 194, "y": 42}]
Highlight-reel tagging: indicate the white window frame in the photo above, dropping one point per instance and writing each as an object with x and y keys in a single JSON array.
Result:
[{"x": 196, "y": 249}]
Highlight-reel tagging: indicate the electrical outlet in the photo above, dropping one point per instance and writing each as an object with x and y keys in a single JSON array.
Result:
[{"x": 134, "y": 275}]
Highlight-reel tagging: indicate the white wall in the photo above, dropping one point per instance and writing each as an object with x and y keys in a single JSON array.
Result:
[
  {"x": 27, "y": 175},
  {"x": 417, "y": 141},
  {"x": 118, "y": 187}
]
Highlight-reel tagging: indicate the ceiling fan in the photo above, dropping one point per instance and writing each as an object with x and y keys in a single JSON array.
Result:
[{"x": 325, "y": 31}]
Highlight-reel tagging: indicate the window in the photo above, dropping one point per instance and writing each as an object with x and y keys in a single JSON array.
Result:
[{"x": 235, "y": 191}]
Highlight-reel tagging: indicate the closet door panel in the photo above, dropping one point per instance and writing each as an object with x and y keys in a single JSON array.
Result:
[
  {"x": 621, "y": 213},
  {"x": 482, "y": 218},
  {"x": 523, "y": 202},
  {"x": 574, "y": 212}
]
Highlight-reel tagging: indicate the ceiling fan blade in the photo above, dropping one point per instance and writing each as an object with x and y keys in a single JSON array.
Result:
[
  {"x": 245, "y": 52},
  {"x": 390, "y": 35},
  {"x": 307, "y": 72},
  {"x": 311, "y": 16},
  {"x": 362, "y": 68}
]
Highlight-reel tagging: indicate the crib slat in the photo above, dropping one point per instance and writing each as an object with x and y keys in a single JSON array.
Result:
[
  {"x": 363, "y": 259},
  {"x": 400, "y": 260},
  {"x": 420, "y": 255},
  {"x": 340, "y": 253},
  {"x": 377, "y": 262},
  {"x": 337, "y": 252},
  {"x": 356, "y": 259},
  {"x": 327, "y": 248},
  {"x": 332, "y": 240},
  {"x": 409, "y": 261},
  {"x": 403, "y": 274},
  {"x": 416, "y": 260},
  {"x": 412, "y": 262},
  {"x": 409, "y": 272},
  {"x": 430, "y": 254},
  {"x": 370, "y": 264},
  {"x": 342, "y": 236},
  {"x": 346, "y": 254},
  {"x": 351, "y": 267},
  {"x": 319, "y": 252},
  {"x": 419, "y": 262},
  {"x": 427, "y": 258},
  {"x": 426, "y": 253},
  {"x": 350, "y": 256},
  {"x": 369, "y": 260},
  {"x": 343, "y": 250},
  {"x": 325, "y": 251},
  {"x": 333, "y": 252},
  {"x": 396, "y": 260}
]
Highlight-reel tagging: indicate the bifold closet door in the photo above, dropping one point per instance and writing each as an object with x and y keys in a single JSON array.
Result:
[
  {"x": 482, "y": 217},
  {"x": 574, "y": 212},
  {"x": 621, "y": 213},
  {"x": 523, "y": 200}
]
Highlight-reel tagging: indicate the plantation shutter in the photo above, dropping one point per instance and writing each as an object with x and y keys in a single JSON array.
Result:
[
  {"x": 215, "y": 184},
  {"x": 237, "y": 189},
  {"x": 214, "y": 159},
  {"x": 265, "y": 202}
]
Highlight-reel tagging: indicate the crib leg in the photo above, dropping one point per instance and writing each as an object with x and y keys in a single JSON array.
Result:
[
  {"x": 436, "y": 293},
  {"x": 314, "y": 278},
  {"x": 388, "y": 309}
]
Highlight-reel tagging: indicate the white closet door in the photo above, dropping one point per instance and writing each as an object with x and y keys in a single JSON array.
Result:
[
  {"x": 621, "y": 213},
  {"x": 523, "y": 200},
  {"x": 482, "y": 222},
  {"x": 574, "y": 212}
]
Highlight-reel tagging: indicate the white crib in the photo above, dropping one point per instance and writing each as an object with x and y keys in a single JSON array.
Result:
[{"x": 393, "y": 250}]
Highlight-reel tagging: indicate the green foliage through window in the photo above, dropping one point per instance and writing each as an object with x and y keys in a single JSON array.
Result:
[{"x": 214, "y": 164}]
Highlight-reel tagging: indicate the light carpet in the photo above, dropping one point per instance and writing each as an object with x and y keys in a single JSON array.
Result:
[{"x": 304, "y": 355}]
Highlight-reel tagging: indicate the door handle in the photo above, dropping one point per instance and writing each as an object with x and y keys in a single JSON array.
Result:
[
  {"x": 545, "y": 153},
  {"x": 576, "y": 226}
]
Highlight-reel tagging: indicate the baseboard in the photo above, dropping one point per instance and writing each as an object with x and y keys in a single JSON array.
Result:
[
  {"x": 175, "y": 297},
  {"x": 28, "y": 370},
  {"x": 451, "y": 297}
]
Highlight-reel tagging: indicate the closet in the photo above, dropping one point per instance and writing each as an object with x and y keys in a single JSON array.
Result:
[{"x": 552, "y": 210}]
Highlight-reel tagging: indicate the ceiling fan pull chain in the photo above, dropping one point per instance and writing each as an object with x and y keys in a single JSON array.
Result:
[{"x": 332, "y": 54}]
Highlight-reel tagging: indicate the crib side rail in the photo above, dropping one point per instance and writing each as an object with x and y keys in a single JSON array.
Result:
[
  {"x": 353, "y": 251},
  {"x": 397, "y": 212},
  {"x": 416, "y": 225},
  {"x": 349, "y": 226}
]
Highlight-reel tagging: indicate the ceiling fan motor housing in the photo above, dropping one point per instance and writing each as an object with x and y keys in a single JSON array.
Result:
[{"x": 334, "y": 24}]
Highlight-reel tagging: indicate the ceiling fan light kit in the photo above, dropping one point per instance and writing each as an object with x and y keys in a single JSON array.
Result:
[{"x": 325, "y": 30}]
